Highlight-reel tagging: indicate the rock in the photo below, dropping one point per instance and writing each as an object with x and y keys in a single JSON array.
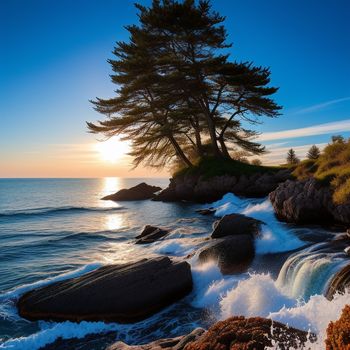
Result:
[
  {"x": 339, "y": 282},
  {"x": 236, "y": 224},
  {"x": 308, "y": 202},
  {"x": 150, "y": 234},
  {"x": 115, "y": 293},
  {"x": 177, "y": 343},
  {"x": 197, "y": 188},
  {"x": 233, "y": 254},
  {"x": 139, "y": 192},
  {"x": 255, "y": 333},
  {"x": 206, "y": 211},
  {"x": 338, "y": 332}
]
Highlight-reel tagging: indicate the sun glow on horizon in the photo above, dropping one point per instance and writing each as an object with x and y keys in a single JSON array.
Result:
[{"x": 112, "y": 149}]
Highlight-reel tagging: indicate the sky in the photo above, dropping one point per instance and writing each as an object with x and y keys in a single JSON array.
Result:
[{"x": 53, "y": 61}]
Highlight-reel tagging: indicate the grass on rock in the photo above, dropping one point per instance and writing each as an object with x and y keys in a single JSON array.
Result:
[{"x": 210, "y": 167}]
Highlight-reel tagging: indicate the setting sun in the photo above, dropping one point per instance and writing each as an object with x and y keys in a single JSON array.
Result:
[{"x": 112, "y": 149}]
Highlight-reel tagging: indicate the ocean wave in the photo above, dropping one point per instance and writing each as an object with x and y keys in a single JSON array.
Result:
[
  {"x": 55, "y": 210},
  {"x": 15, "y": 293}
]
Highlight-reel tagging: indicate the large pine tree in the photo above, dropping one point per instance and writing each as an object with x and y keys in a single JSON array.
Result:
[{"x": 177, "y": 91}]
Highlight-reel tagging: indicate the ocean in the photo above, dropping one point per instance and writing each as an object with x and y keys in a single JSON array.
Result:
[{"x": 52, "y": 229}]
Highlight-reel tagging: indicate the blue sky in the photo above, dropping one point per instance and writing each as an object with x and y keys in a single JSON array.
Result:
[{"x": 53, "y": 60}]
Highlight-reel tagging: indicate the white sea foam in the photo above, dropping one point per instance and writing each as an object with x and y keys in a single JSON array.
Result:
[
  {"x": 17, "y": 292},
  {"x": 210, "y": 285},
  {"x": 259, "y": 295},
  {"x": 175, "y": 247},
  {"x": 52, "y": 331},
  {"x": 275, "y": 236}
]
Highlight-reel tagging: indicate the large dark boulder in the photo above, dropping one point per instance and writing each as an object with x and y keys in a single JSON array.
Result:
[
  {"x": 308, "y": 202},
  {"x": 139, "y": 192},
  {"x": 116, "y": 293},
  {"x": 236, "y": 224},
  {"x": 255, "y": 333},
  {"x": 197, "y": 188},
  {"x": 233, "y": 254},
  {"x": 177, "y": 343},
  {"x": 150, "y": 234}
]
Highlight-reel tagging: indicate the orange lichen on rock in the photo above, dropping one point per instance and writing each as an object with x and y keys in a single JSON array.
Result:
[
  {"x": 256, "y": 333},
  {"x": 338, "y": 332}
]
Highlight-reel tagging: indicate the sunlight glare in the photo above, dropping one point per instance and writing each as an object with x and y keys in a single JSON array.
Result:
[{"x": 112, "y": 149}]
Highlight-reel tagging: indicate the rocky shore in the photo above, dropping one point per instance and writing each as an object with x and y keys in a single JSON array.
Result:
[
  {"x": 134, "y": 291},
  {"x": 235, "y": 333},
  {"x": 199, "y": 188},
  {"x": 308, "y": 202}
]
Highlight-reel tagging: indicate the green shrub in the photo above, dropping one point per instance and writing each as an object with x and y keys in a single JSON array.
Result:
[
  {"x": 209, "y": 167},
  {"x": 332, "y": 167}
]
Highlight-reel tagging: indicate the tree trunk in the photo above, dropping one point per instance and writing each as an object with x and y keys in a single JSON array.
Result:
[
  {"x": 179, "y": 151},
  {"x": 213, "y": 138},
  {"x": 198, "y": 141},
  {"x": 224, "y": 148}
]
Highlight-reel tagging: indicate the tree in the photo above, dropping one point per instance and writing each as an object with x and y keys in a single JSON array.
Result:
[
  {"x": 177, "y": 90},
  {"x": 292, "y": 159},
  {"x": 338, "y": 138},
  {"x": 314, "y": 152}
]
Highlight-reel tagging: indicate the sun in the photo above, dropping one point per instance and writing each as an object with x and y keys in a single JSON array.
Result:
[{"x": 112, "y": 149}]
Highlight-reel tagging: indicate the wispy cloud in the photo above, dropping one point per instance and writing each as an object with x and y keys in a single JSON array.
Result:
[
  {"x": 321, "y": 106},
  {"x": 277, "y": 155},
  {"x": 320, "y": 129}
]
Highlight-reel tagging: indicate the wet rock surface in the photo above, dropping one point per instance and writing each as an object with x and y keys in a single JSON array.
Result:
[
  {"x": 177, "y": 343},
  {"x": 236, "y": 224},
  {"x": 150, "y": 234},
  {"x": 117, "y": 293},
  {"x": 233, "y": 254},
  {"x": 141, "y": 191}
]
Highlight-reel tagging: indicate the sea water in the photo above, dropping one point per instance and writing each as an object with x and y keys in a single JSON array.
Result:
[{"x": 54, "y": 229}]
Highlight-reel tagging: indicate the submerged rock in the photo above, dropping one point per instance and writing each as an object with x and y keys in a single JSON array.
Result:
[
  {"x": 139, "y": 192},
  {"x": 306, "y": 202},
  {"x": 177, "y": 343},
  {"x": 338, "y": 332},
  {"x": 202, "y": 189},
  {"x": 206, "y": 211},
  {"x": 255, "y": 333},
  {"x": 233, "y": 254},
  {"x": 150, "y": 234},
  {"x": 236, "y": 224},
  {"x": 115, "y": 293}
]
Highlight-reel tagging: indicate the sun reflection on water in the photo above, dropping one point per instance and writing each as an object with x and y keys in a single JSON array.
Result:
[
  {"x": 115, "y": 222},
  {"x": 109, "y": 185}
]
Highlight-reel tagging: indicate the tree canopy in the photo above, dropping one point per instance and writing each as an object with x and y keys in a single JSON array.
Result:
[
  {"x": 178, "y": 96},
  {"x": 314, "y": 152},
  {"x": 292, "y": 158}
]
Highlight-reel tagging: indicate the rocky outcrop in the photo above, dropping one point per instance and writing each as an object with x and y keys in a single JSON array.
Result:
[
  {"x": 338, "y": 332},
  {"x": 233, "y": 254},
  {"x": 150, "y": 234},
  {"x": 236, "y": 224},
  {"x": 306, "y": 202},
  {"x": 177, "y": 343},
  {"x": 199, "y": 188},
  {"x": 256, "y": 333},
  {"x": 118, "y": 293},
  {"x": 340, "y": 282},
  {"x": 139, "y": 192}
]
